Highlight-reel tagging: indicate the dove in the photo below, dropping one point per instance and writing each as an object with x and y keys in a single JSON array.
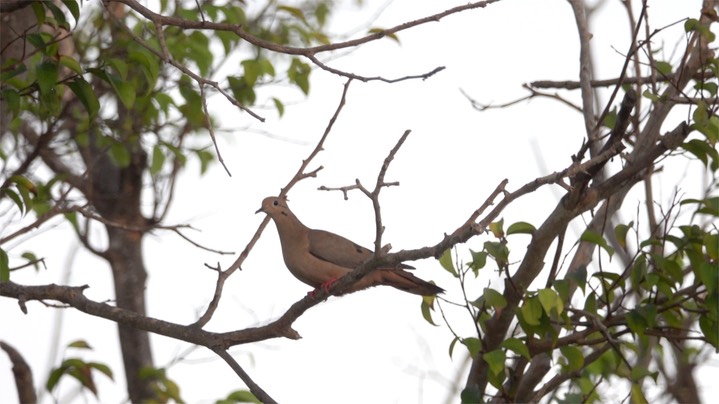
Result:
[{"x": 318, "y": 258}]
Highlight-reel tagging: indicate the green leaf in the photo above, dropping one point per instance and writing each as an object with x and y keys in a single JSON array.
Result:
[
  {"x": 497, "y": 228},
  {"x": 498, "y": 251},
  {"x": 426, "y": 313},
  {"x": 158, "y": 160},
  {"x": 710, "y": 329},
  {"x": 521, "y": 228},
  {"x": 4, "y": 266},
  {"x": 58, "y": 14},
  {"x": 494, "y": 298},
  {"x": 451, "y": 346},
  {"x": 393, "y": 36},
  {"x": 251, "y": 71},
  {"x": 446, "y": 262},
  {"x": 532, "y": 311},
  {"x": 637, "y": 396},
  {"x": 15, "y": 198},
  {"x": 120, "y": 155},
  {"x": 636, "y": 322},
  {"x": 298, "y": 74},
  {"x": 550, "y": 300},
  {"x": 620, "y": 232},
  {"x": 495, "y": 359},
  {"x": 669, "y": 267},
  {"x": 280, "y": 106},
  {"x": 120, "y": 66},
  {"x": 47, "y": 76},
  {"x": 651, "y": 96},
  {"x": 473, "y": 345},
  {"x": 296, "y": 12},
  {"x": 610, "y": 119},
  {"x": 31, "y": 259},
  {"x": 596, "y": 238},
  {"x": 479, "y": 260},
  {"x": 124, "y": 90},
  {"x": 80, "y": 344},
  {"x": 73, "y": 7},
  {"x": 517, "y": 346},
  {"x": 321, "y": 13},
  {"x": 70, "y": 63},
  {"x": 240, "y": 396},
  {"x": 104, "y": 369},
  {"x": 638, "y": 271},
  {"x": 11, "y": 98},
  {"x": 471, "y": 394},
  {"x": 575, "y": 357},
  {"x": 663, "y": 68},
  {"x": 708, "y": 274},
  {"x": 84, "y": 92},
  {"x": 205, "y": 158}
]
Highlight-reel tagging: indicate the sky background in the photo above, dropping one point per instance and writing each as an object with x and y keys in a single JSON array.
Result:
[{"x": 372, "y": 346}]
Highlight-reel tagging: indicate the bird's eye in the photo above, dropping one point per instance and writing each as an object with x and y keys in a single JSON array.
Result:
[{"x": 275, "y": 202}]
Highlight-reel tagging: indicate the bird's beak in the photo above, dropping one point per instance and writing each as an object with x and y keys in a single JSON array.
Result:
[{"x": 259, "y": 210}]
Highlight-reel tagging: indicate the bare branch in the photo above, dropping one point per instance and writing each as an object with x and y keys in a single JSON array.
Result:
[
  {"x": 254, "y": 388},
  {"x": 299, "y": 175}
]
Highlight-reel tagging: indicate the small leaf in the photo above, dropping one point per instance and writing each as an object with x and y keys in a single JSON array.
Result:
[
  {"x": 158, "y": 160},
  {"x": 521, "y": 228},
  {"x": 479, "y": 260},
  {"x": 446, "y": 262},
  {"x": 498, "y": 250},
  {"x": 497, "y": 228},
  {"x": 120, "y": 155},
  {"x": 426, "y": 313},
  {"x": 104, "y": 369},
  {"x": 81, "y": 344},
  {"x": 550, "y": 300},
  {"x": 15, "y": 198},
  {"x": 296, "y": 12},
  {"x": 620, "y": 232},
  {"x": 205, "y": 158},
  {"x": 711, "y": 244},
  {"x": 595, "y": 238},
  {"x": 451, "y": 346},
  {"x": 532, "y": 311},
  {"x": 471, "y": 394},
  {"x": 280, "y": 106},
  {"x": 70, "y": 63},
  {"x": 4, "y": 266},
  {"x": 473, "y": 345},
  {"x": 46, "y": 76},
  {"x": 575, "y": 357},
  {"x": 73, "y": 7},
  {"x": 84, "y": 92},
  {"x": 240, "y": 396},
  {"x": 124, "y": 90},
  {"x": 663, "y": 68},
  {"x": 31, "y": 259},
  {"x": 494, "y": 298},
  {"x": 392, "y": 36},
  {"x": 637, "y": 395},
  {"x": 517, "y": 346},
  {"x": 495, "y": 360}
]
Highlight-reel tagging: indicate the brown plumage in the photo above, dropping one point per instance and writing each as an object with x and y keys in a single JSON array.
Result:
[{"x": 318, "y": 257}]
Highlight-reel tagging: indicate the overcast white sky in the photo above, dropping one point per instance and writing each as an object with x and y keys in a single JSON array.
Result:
[{"x": 371, "y": 346}]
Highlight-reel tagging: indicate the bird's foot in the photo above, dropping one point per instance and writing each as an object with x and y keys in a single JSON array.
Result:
[{"x": 325, "y": 286}]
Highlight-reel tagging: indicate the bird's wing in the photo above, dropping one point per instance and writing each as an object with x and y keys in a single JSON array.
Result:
[{"x": 339, "y": 250}]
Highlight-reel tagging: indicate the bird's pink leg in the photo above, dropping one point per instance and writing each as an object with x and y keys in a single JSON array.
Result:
[{"x": 325, "y": 286}]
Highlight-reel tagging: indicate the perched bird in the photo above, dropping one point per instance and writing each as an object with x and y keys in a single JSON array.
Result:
[{"x": 318, "y": 258}]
